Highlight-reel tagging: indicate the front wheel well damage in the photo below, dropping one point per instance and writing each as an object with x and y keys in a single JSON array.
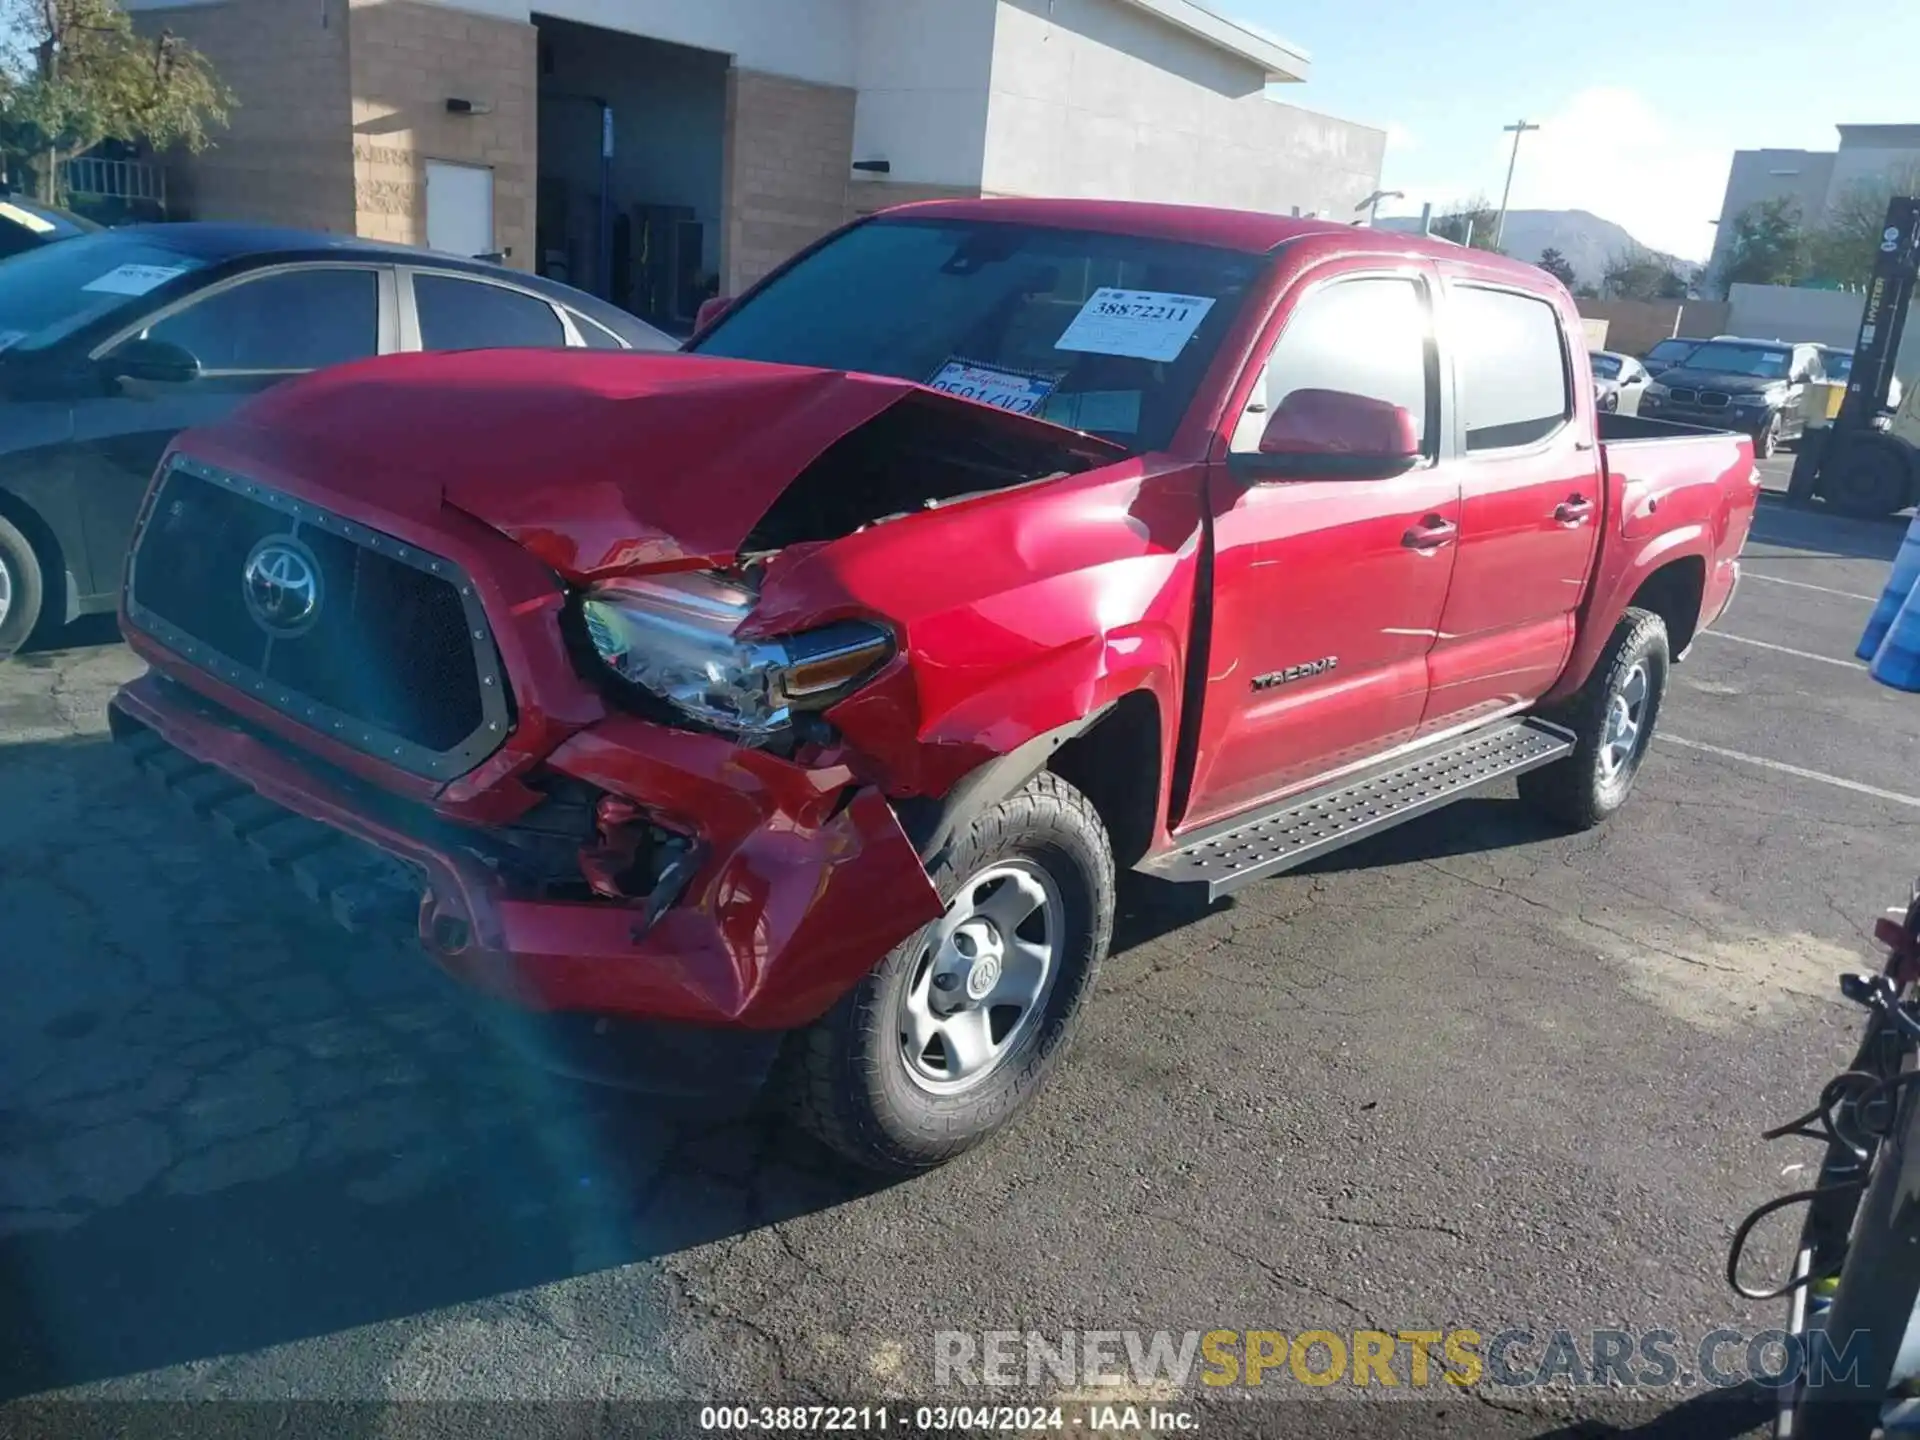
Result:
[
  {"x": 1674, "y": 593},
  {"x": 1112, "y": 756},
  {"x": 1116, "y": 765}
]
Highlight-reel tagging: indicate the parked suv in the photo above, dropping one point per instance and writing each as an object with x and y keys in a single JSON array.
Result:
[
  {"x": 1756, "y": 386},
  {"x": 787, "y": 707}
]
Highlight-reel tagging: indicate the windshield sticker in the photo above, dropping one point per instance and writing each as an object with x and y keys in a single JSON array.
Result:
[
  {"x": 135, "y": 279},
  {"x": 11, "y": 338},
  {"x": 1137, "y": 324},
  {"x": 1022, "y": 392},
  {"x": 1776, "y": 357},
  {"x": 1114, "y": 412},
  {"x": 39, "y": 225}
]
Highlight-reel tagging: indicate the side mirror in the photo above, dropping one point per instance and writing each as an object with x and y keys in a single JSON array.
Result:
[
  {"x": 1332, "y": 433},
  {"x": 710, "y": 312},
  {"x": 153, "y": 362}
]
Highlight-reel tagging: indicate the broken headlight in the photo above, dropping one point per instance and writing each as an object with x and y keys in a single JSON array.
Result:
[{"x": 675, "y": 636}]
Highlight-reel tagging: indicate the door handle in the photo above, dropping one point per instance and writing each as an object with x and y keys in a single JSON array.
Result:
[
  {"x": 1573, "y": 511},
  {"x": 1430, "y": 534}
]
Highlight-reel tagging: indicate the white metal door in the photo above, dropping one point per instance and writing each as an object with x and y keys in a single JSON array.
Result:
[{"x": 459, "y": 208}]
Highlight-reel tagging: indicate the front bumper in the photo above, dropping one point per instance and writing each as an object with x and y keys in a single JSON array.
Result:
[
  {"x": 806, "y": 879},
  {"x": 1747, "y": 420}
]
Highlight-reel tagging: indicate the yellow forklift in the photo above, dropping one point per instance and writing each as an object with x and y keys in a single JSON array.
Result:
[{"x": 1852, "y": 457}]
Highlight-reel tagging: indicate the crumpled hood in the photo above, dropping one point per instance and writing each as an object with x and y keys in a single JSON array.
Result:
[{"x": 596, "y": 461}]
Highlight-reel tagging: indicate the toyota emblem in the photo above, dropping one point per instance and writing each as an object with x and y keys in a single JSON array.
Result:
[{"x": 281, "y": 583}]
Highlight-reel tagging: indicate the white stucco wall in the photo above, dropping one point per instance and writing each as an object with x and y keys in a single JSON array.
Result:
[
  {"x": 922, "y": 68},
  {"x": 1097, "y": 99}
]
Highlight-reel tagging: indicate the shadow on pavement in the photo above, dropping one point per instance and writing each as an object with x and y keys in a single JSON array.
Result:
[
  {"x": 1820, "y": 535},
  {"x": 225, "y": 1124},
  {"x": 88, "y": 632}
]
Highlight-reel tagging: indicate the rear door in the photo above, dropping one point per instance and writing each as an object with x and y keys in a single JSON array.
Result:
[
  {"x": 1327, "y": 590},
  {"x": 248, "y": 333},
  {"x": 1530, "y": 500}
]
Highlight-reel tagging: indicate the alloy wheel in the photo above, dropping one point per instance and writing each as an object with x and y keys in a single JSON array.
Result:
[{"x": 983, "y": 977}]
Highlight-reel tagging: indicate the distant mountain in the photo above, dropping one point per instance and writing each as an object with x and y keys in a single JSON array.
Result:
[{"x": 1584, "y": 238}]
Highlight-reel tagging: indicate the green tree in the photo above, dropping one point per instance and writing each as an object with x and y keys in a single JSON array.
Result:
[
  {"x": 1842, "y": 249},
  {"x": 75, "y": 72},
  {"x": 1472, "y": 222},
  {"x": 1768, "y": 245},
  {"x": 1557, "y": 265},
  {"x": 1637, "y": 274}
]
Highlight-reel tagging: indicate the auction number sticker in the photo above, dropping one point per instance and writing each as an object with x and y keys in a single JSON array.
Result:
[
  {"x": 1137, "y": 324},
  {"x": 135, "y": 279},
  {"x": 1023, "y": 392}
]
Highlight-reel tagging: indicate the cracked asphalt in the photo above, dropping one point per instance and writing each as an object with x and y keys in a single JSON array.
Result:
[{"x": 1475, "y": 1073}]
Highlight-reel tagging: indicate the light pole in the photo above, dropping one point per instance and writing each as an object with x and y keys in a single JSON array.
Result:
[
  {"x": 1372, "y": 203},
  {"x": 1517, "y": 129}
]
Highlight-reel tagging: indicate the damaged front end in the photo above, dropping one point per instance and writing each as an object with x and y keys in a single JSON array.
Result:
[{"x": 713, "y": 696}]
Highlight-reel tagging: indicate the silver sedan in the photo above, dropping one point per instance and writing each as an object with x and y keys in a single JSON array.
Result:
[{"x": 1618, "y": 381}]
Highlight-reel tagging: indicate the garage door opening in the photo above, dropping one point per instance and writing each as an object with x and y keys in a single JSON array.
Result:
[{"x": 631, "y": 135}]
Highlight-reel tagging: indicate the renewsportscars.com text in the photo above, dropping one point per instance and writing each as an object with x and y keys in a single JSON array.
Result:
[{"x": 1412, "y": 1359}]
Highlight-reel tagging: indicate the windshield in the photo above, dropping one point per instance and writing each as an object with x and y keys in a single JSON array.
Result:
[
  {"x": 1108, "y": 334},
  {"x": 47, "y": 294},
  {"x": 1838, "y": 364},
  {"x": 1672, "y": 349},
  {"x": 1607, "y": 367},
  {"x": 1763, "y": 362}
]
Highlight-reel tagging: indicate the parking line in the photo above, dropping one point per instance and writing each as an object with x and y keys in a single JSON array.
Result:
[
  {"x": 1786, "y": 769},
  {"x": 1783, "y": 649},
  {"x": 1803, "y": 585}
]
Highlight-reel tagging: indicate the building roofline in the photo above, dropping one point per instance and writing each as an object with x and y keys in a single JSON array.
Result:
[{"x": 1280, "y": 59}]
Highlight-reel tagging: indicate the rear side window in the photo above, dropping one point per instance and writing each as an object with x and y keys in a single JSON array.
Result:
[
  {"x": 470, "y": 315},
  {"x": 1366, "y": 336},
  {"x": 594, "y": 336},
  {"x": 1513, "y": 368}
]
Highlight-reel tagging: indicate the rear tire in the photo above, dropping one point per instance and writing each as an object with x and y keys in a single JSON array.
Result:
[
  {"x": 22, "y": 589},
  {"x": 857, "y": 1078},
  {"x": 1612, "y": 717}
]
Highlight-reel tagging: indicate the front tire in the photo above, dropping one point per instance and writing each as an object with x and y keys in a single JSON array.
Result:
[
  {"x": 1612, "y": 717},
  {"x": 22, "y": 589},
  {"x": 957, "y": 1029}
]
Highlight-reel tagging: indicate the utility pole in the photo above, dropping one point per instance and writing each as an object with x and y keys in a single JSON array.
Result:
[{"x": 1517, "y": 129}]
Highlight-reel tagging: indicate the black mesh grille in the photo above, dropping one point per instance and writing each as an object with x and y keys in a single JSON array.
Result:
[{"x": 397, "y": 659}]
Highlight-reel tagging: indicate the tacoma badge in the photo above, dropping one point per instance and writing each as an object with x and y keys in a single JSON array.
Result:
[{"x": 1294, "y": 672}]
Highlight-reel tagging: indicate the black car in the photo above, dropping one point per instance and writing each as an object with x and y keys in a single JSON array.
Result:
[
  {"x": 1758, "y": 386},
  {"x": 112, "y": 343},
  {"x": 27, "y": 224}
]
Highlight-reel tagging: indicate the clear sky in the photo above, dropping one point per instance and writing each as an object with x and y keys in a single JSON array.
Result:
[{"x": 1641, "y": 106}]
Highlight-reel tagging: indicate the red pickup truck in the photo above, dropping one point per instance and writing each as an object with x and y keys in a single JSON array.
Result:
[{"x": 782, "y": 709}]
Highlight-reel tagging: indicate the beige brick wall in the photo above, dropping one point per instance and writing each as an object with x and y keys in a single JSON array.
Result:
[
  {"x": 789, "y": 149},
  {"x": 286, "y": 157},
  {"x": 407, "y": 60}
]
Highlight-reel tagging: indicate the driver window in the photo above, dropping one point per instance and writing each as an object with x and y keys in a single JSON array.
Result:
[
  {"x": 288, "y": 321},
  {"x": 1368, "y": 336}
]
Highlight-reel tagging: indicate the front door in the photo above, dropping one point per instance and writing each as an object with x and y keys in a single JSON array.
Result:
[
  {"x": 1327, "y": 590},
  {"x": 1531, "y": 505},
  {"x": 247, "y": 334}
]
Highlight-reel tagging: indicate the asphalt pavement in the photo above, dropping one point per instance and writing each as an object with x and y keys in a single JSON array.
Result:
[{"x": 1473, "y": 1074}]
